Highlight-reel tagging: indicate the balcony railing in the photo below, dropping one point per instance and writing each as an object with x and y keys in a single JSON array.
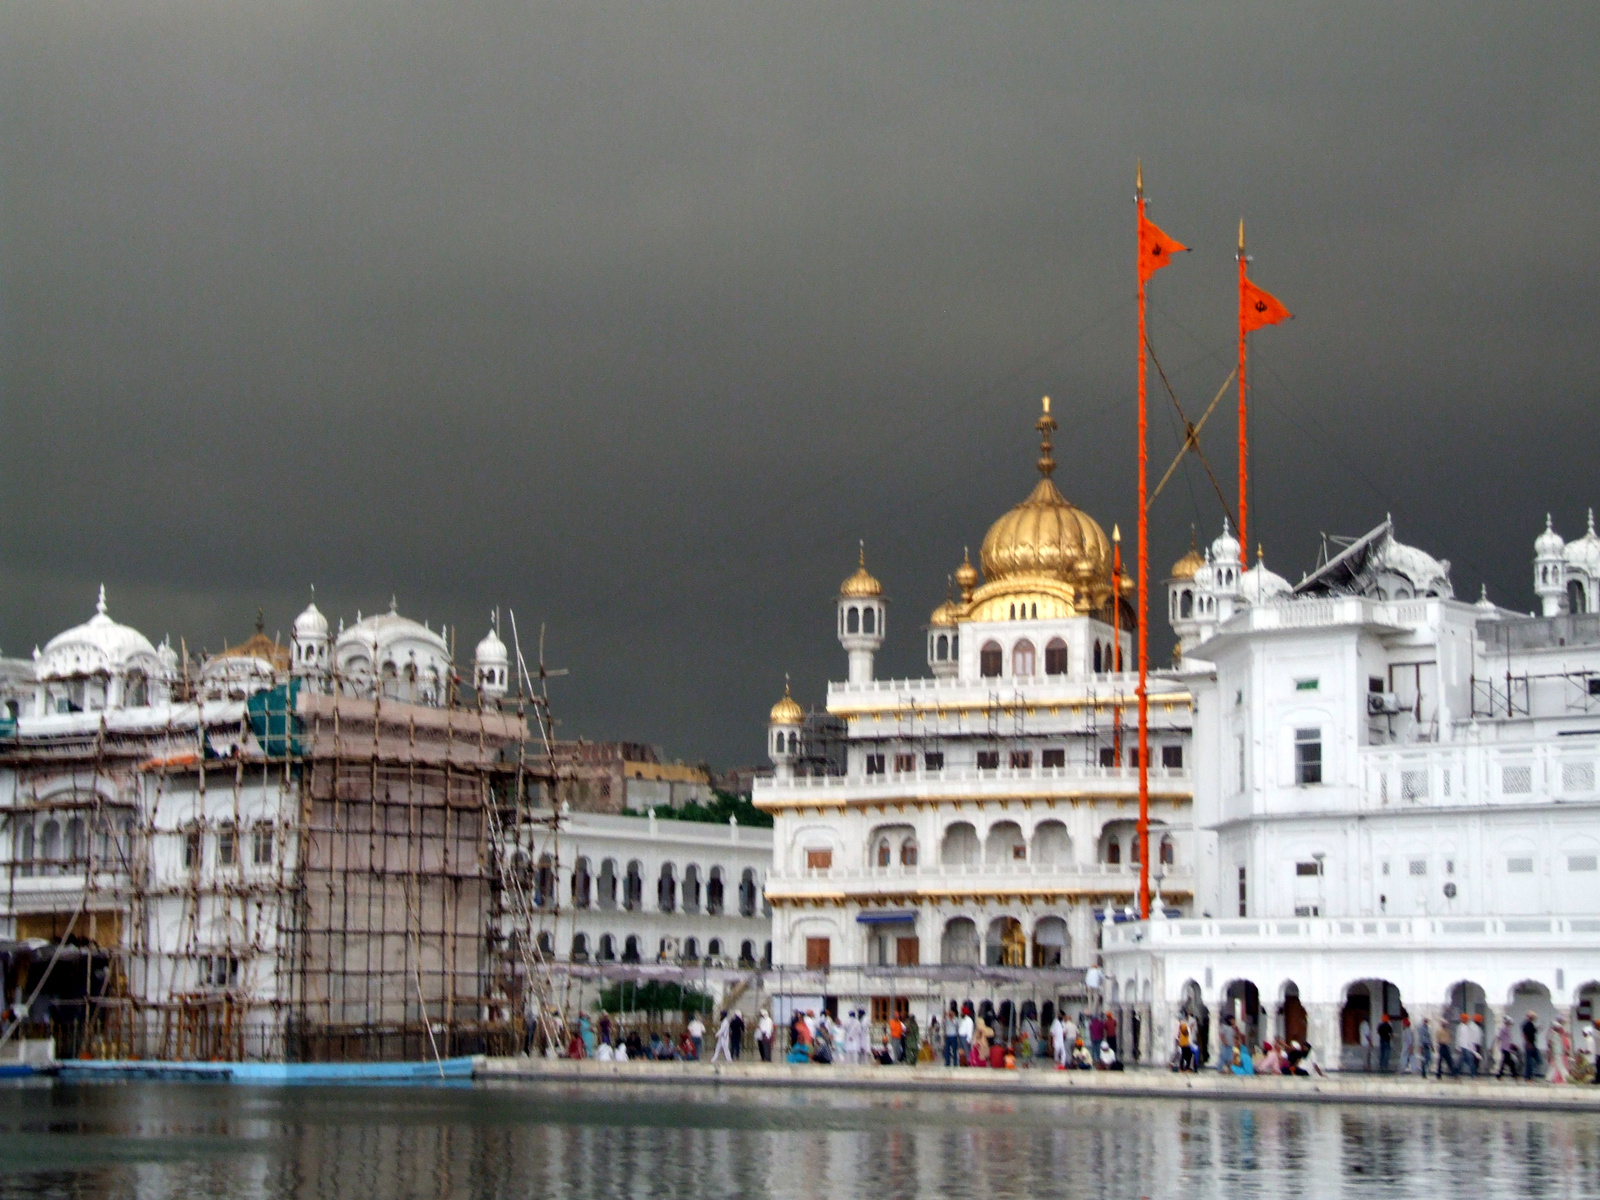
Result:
[
  {"x": 1352, "y": 931},
  {"x": 996, "y": 775},
  {"x": 1170, "y": 875}
]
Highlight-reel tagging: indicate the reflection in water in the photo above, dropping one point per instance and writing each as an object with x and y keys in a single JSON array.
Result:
[{"x": 607, "y": 1140}]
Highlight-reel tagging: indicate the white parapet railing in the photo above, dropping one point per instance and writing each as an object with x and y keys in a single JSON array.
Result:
[{"x": 1356, "y": 932}]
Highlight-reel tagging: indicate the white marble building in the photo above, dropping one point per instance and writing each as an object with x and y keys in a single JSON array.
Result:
[
  {"x": 1395, "y": 792},
  {"x": 987, "y": 814},
  {"x": 622, "y": 889}
]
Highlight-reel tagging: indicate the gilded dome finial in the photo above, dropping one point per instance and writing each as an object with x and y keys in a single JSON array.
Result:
[
  {"x": 861, "y": 583},
  {"x": 1046, "y": 425},
  {"x": 966, "y": 576}
]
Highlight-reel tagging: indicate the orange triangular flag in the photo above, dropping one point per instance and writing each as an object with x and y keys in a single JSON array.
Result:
[
  {"x": 1155, "y": 248},
  {"x": 1258, "y": 307}
]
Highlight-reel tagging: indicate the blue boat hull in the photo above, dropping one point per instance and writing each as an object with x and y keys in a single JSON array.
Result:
[{"x": 456, "y": 1069}]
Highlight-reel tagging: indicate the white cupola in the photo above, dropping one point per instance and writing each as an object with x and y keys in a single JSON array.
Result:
[
  {"x": 1549, "y": 574},
  {"x": 491, "y": 665},
  {"x": 862, "y": 611},
  {"x": 308, "y": 642}
]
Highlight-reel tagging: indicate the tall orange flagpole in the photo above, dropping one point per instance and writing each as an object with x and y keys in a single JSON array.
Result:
[
  {"x": 1155, "y": 251},
  {"x": 1144, "y": 599},
  {"x": 1257, "y": 308},
  {"x": 1244, "y": 439}
]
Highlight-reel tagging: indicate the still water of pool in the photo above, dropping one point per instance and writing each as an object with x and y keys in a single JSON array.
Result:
[{"x": 612, "y": 1140}]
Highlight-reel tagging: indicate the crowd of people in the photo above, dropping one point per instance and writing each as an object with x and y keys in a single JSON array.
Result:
[{"x": 1397, "y": 1046}]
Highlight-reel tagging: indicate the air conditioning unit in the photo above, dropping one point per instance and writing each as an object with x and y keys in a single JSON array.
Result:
[{"x": 1380, "y": 703}]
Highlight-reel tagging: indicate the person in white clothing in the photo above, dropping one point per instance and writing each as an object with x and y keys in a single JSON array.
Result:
[
  {"x": 621, "y": 1052},
  {"x": 724, "y": 1034},
  {"x": 697, "y": 1034},
  {"x": 764, "y": 1028},
  {"x": 1058, "y": 1041},
  {"x": 966, "y": 1029},
  {"x": 604, "y": 1053}
]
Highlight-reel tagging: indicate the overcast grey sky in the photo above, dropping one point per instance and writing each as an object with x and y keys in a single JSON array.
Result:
[{"x": 634, "y": 318}]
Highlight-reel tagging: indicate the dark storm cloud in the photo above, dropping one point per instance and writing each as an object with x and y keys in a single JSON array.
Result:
[{"x": 634, "y": 318}]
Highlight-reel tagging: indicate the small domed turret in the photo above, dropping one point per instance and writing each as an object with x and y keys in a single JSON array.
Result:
[
  {"x": 944, "y": 658},
  {"x": 1487, "y": 609},
  {"x": 491, "y": 664},
  {"x": 1549, "y": 569},
  {"x": 783, "y": 733},
  {"x": 309, "y": 641},
  {"x": 861, "y": 610}
]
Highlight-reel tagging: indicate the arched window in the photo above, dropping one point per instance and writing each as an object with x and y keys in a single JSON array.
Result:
[
  {"x": 633, "y": 887},
  {"x": 1166, "y": 852},
  {"x": 77, "y": 844},
  {"x": 955, "y": 649},
  {"x": 989, "y": 659},
  {"x": 1097, "y": 658},
  {"x": 777, "y": 742},
  {"x": 869, "y": 620},
  {"x": 884, "y": 853},
  {"x": 714, "y": 892},
  {"x": 25, "y": 847},
  {"x": 608, "y": 884},
  {"x": 580, "y": 947},
  {"x": 50, "y": 847},
  {"x": 580, "y": 884},
  {"x": 747, "y": 953},
  {"x": 1113, "y": 851},
  {"x": 691, "y": 888},
  {"x": 747, "y": 893},
  {"x": 908, "y": 852},
  {"x": 691, "y": 949},
  {"x": 666, "y": 889},
  {"x": 852, "y": 622},
  {"x": 1576, "y": 600},
  {"x": 630, "y": 949},
  {"x": 608, "y": 948},
  {"x": 1186, "y": 603},
  {"x": 794, "y": 742},
  {"x": 1022, "y": 658},
  {"x": 944, "y": 647},
  {"x": 1055, "y": 657},
  {"x": 547, "y": 944},
  {"x": 714, "y": 948}
]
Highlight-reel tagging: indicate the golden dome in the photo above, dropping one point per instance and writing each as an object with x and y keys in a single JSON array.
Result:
[
  {"x": 861, "y": 583},
  {"x": 1046, "y": 535},
  {"x": 786, "y": 711},
  {"x": 1186, "y": 566},
  {"x": 1046, "y": 558}
]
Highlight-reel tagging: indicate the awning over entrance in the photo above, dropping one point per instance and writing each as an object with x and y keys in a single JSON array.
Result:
[{"x": 886, "y": 918}]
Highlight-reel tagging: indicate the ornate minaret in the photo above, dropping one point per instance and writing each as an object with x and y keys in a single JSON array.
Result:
[
  {"x": 1549, "y": 570},
  {"x": 862, "y": 610}
]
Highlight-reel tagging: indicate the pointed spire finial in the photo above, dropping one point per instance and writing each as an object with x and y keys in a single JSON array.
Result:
[
  {"x": 1224, "y": 526},
  {"x": 861, "y": 559},
  {"x": 394, "y": 604},
  {"x": 786, "y": 685},
  {"x": 1591, "y": 522},
  {"x": 1116, "y": 533},
  {"x": 1138, "y": 178},
  {"x": 1261, "y": 555},
  {"x": 1241, "y": 235},
  {"x": 261, "y": 620},
  {"x": 100, "y": 604},
  {"x": 1046, "y": 425}
]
